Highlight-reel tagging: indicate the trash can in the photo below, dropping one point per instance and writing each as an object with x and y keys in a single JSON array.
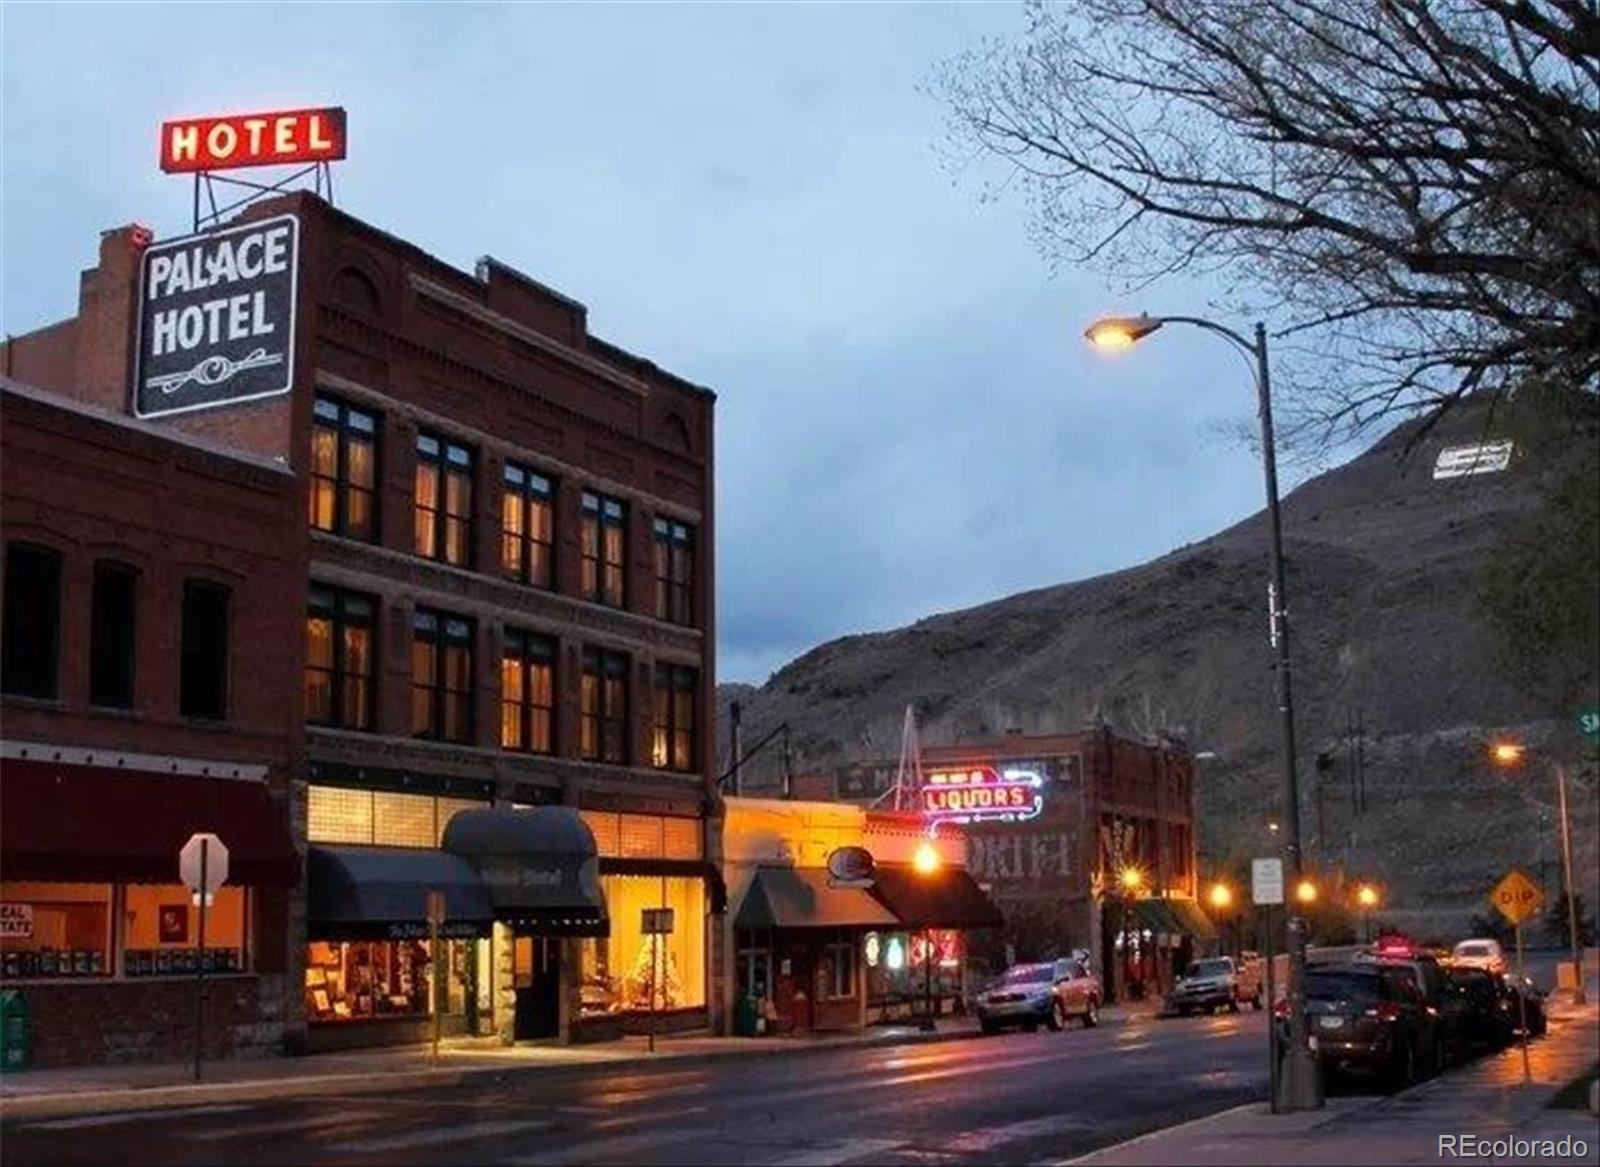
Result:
[
  {"x": 744, "y": 1017},
  {"x": 13, "y": 1031}
]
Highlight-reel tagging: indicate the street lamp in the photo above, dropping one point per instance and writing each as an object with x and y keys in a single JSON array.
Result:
[
  {"x": 1508, "y": 755},
  {"x": 1306, "y": 891},
  {"x": 1302, "y": 1088},
  {"x": 1221, "y": 897},
  {"x": 925, "y": 861},
  {"x": 1367, "y": 897}
]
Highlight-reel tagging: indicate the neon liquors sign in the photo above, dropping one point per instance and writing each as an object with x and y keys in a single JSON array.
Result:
[
  {"x": 982, "y": 794},
  {"x": 217, "y": 318}
]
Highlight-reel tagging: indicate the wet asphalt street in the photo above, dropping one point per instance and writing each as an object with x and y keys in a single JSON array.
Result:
[{"x": 1017, "y": 1098}]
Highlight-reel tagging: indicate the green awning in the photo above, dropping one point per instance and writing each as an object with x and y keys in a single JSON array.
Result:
[
  {"x": 791, "y": 897},
  {"x": 1170, "y": 916},
  {"x": 1192, "y": 919},
  {"x": 1152, "y": 916}
]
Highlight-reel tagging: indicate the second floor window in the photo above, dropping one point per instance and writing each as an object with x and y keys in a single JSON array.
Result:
[
  {"x": 444, "y": 500},
  {"x": 203, "y": 657},
  {"x": 672, "y": 718},
  {"x": 112, "y": 627},
  {"x": 674, "y": 546},
  {"x": 528, "y": 692},
  {"x": 339, "y": 658},
  {"x": 605, "y": 539},
  {"x": 603, "y": 720},
  {"x": 32, "y": 631},
  {"x": 344, "y": 461},
  {"x": 441, "y": 676},
  {"x": 528, "y": 524}
]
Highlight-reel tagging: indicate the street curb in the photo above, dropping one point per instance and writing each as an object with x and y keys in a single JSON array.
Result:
[
  {"x": 141, "y": 1098},
  {"x": 1151, "y": 1136}
]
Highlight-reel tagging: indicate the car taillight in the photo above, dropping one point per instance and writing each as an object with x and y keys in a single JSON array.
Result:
[{"x": 1388, "y": 1011}]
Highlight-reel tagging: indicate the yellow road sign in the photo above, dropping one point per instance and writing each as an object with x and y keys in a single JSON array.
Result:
[{"x": 1517, "y": 897}]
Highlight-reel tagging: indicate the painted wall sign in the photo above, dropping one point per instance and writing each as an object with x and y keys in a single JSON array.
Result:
[
  {"x": 217, "y": 317},
  {"x": 982, "y": 794},
  {"x": 1485, "y": 458},
  {"x": 280, "y": 138},
  {"x": 16, "y": 921}
]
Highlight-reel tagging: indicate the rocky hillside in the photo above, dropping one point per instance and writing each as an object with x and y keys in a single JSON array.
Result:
[{"x": 1383, "y": 564}]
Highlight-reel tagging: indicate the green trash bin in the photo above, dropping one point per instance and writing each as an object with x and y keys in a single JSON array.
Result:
[
  {"x": 744, "y": 1017},
  {"x": 13, "y": 1030}
]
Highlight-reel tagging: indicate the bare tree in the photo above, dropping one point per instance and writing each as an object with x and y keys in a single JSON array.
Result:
[{"x": 1410, "y": 187}]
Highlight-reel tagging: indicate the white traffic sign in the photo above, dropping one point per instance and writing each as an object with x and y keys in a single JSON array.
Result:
[
  {"x": 214, "y": 852},
  {"x": 1266, "y": 881}
]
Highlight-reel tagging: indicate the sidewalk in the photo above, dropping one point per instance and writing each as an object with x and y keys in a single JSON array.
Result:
[
  {"x": 1486, "y": 1099},
  {"x": 94, "y": 1089}
]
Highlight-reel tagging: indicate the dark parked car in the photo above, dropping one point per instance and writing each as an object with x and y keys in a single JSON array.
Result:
[
  {"x": 1479, "y": 1011},
  {"x": 1368, "y": 1017},
  {"x": 1533, "y": 998}
]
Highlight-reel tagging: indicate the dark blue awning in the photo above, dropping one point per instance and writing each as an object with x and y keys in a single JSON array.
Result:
[{"x": 377, "y": 893}]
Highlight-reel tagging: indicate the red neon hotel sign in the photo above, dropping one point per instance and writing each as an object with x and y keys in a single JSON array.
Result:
[
  {"x": 282, "y": 138},
  {"x": 982, "y": 794}
]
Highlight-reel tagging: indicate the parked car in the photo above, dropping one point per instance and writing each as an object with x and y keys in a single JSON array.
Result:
[
  {"x": 1215, "y": 983},
  {"x": 1533, "y": 999},
  {"x": 1479, "y": 1010},
  {"x": 1046, "y": 993},
  {"x": 1425, "y": 971},
  {"x": 1366, "y": 1017},
  {"x": 1484, "y": 954}
]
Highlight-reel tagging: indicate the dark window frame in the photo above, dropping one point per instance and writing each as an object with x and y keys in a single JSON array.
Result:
[
  {"x": 667, "y": 732},
  {"x": 344, "y": 420},
  {"x": 113, "y": 637},
  {"x": 601, "y": 512},
  {"x": 530, "y": 650},
  {"x": 608, "y": 711},
  {"x": 449, "y": 459},
  {"x": 521, "y": 483},
  {"x": 195, "y": 691},
  {"x": 342, "y": 609},
  {"x": 674, "y": 570},
  {"x": 40, "y": 677},
  {"x": 444, "y": 631}
]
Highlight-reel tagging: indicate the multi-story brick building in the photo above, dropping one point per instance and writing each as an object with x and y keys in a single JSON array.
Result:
[{"x": 501, "y": 528}]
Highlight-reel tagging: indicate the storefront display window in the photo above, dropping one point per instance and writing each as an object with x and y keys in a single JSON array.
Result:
[
  {"x": 364, "y": 979},
  {"x": 753, "y": 964},
  {"x": 55, "y": 929},
  {"x": 837, "y": 977},
  {"x": 617, "y": 969},
  {"x": 162, "y": 931}
]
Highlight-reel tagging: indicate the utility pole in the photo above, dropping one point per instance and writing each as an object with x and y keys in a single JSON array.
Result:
[{"x": 737, "y": 718}]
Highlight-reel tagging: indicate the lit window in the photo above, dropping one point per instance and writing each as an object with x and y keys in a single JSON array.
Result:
[
  {"x": 527, "y": 692},
  {"x": 603, "y": 720},
  {"x": 528, "y": 527},
  {"x": 673, "y": 702},
  {"x": 444, "y": 500},
  {"x": 441, "y": 676},
  {"x": 605, "y": 539},
  {"x": 343, "y": 480},
  {"x": 339, "y": 658},
  {"x": 674, "y": 571}
]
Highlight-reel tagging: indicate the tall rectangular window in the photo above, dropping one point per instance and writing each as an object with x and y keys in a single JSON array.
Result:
[
  {"x": 527, "y": 692},
  {"x": 603, "y": 720},
  {"x": 605, "y": 541},
  {"x": 528, "y": 521},
  {"x": 344, "y": 469},
  {"x": 203, "y": 680},
  {"x": 672, "y": 739},
  {"x": 444, "y": 500},
  {"x": 674, "y": 547},
  {"x": 339, "y": 658},
  {"x": 111, "y": 635},
  {"x": 441, "y": 676},
  {"x": 32, "y": 621}
]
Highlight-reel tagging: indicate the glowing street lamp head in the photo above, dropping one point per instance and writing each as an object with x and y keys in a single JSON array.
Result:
[
  {"x": 925, "y": 860},
  {"x": 1367, "y": 896},
  {"x": 1306, "y": 892},
  {"x": 1120, "y": 331},
  {"x": 1131, "y": 879},
  {"x": 1221, "y": 895},
  {"x": 1506, "y": 753}
]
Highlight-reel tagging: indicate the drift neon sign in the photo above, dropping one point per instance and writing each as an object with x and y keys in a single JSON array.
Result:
[
  {"x": 982, "y": 794},
  {"x": 281, "y": 138}
]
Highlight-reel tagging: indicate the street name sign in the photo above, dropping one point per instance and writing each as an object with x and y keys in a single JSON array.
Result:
[
  {"x": 1589, "y": 723},
  {"x": 1266, "y": 881},
  {"x": 1517, "y": 897}
]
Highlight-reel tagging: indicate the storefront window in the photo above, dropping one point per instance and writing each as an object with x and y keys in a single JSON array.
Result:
[
  {"x": 163, "y": 931},
  {"x": 55, "y": 929},
  {"x": 753, "y": 964},
  {"x": 366, "y": 979},
  {"x": 617, "y": 970},
  {"x": 838, "y": 973},
  {"x": 379, "y": 817},
  {"x": 643, "y": 836}
]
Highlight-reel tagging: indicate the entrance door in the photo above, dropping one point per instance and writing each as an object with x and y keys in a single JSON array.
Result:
[{"x": 536, "y": 967}]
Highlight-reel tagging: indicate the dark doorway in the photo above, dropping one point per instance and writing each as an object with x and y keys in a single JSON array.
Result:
[{"x": 536, "y": 969}]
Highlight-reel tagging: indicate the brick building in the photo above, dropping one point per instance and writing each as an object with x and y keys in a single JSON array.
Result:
[
  {"x": 1104, "y": 806},
  {"x": 500, "y": 529}
]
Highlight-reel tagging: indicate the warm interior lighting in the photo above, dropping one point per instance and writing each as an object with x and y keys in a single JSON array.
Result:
[
  {"x": 1221, "y": 895},
  {"x": 925, "y": 861},
  {"x": 1120, "y": 331},
  {"x": 1306, "y": 892}
]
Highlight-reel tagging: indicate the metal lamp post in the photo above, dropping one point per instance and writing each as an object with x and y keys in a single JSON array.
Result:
[{"x": 1301, "y": 1086}]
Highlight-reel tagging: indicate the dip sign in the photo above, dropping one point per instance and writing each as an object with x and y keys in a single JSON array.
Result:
[{"x": 216, "y": 318}]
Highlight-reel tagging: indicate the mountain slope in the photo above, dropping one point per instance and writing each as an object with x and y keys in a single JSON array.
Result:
[{"x": 1383, "y": 563}]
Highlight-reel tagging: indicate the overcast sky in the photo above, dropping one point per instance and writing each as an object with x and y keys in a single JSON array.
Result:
[{"x": 908, "y": 418}]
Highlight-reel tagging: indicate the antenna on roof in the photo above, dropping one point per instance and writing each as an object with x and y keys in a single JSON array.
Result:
[{"x": 910, "y": 761}]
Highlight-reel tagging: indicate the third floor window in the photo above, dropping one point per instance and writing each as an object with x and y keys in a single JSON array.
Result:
[
  {"x": 605, "y": 541},
  {"x": 674, "y": 570},
  {"x": 444, "y": 500},
  {"x": 603, "y": 718},
  {"x": 344, "y": 474},
  {"x": 528, "y": 692},
  {"x": 441, "y": 676},
  {"x": 528, "y": 523},
  {"x": 339, "y": 658}
]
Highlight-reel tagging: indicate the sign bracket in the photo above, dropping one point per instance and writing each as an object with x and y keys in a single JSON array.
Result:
[{"x": 320, "y": 173}]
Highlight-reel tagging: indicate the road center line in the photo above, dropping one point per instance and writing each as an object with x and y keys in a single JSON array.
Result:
[{"x": 432, "y": 1136}]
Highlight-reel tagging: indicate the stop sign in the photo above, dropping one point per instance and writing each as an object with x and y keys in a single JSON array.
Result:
[{"x": 215, "y": 853}]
